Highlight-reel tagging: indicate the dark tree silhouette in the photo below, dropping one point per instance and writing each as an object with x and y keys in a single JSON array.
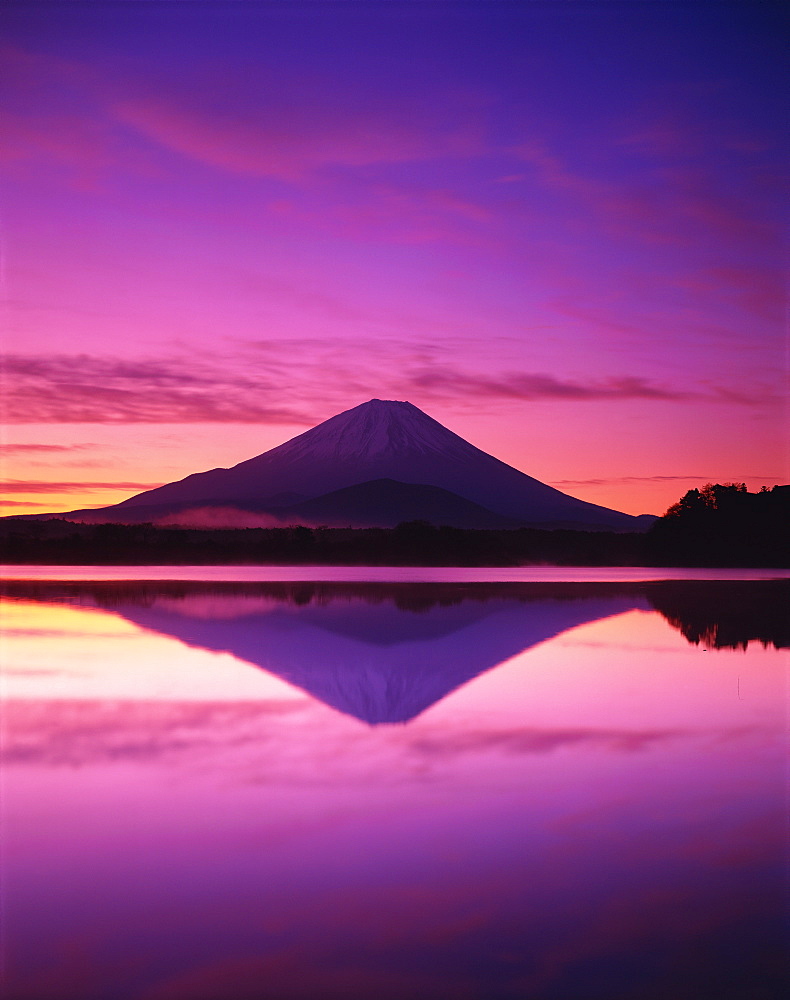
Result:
[
  {"x": 722, "y": 524},
  {"x": 717, "y": 525}
]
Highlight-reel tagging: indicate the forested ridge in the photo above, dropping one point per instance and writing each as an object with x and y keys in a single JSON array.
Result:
[
  {"x": 717, "y": 525},
  {"x": 722, "y": 524}
]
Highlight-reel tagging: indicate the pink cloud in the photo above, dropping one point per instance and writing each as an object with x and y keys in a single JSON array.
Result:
[
  {"x": 28, "y": 72},
  {"x": 686, "y": 207},
  {"x": 675, "y": 199},
  {"x": 89, "y": 389},
  {"x": 720, "y": 213},
  {"x": 672, "y": 125},
  {"x": 662, "y": 137},
  {"x": 648, "y": 479},
  {"x": 601, "y": 318},
  {"x": 541, "y": 386},
  {"x": 554, "y": 173},
  {"x": 761, "y": 291},
  {"x": 24, "y": 449},
  {"x": 73, "y": 139},
  {"x": 396, "y": 215},
  {"x": 301, "y": 296},
  {"x": 67, "y": 131},
  {"x": 53, "y": 486},
  {"x": 93, "y": 389},
  {"x": 289, "y": 147}
]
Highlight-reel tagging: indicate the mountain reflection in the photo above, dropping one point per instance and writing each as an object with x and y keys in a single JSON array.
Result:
[{"x": 384, "y": 653}]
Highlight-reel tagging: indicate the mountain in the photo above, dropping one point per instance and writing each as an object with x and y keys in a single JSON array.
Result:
[
  {"x": 385, "y": 503},
  {"x": 376, "y": 441}
]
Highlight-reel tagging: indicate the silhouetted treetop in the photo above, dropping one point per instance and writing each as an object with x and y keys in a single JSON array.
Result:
[
  {"x": 712, "y": 496},
  {"x": 722, "y": 524}
]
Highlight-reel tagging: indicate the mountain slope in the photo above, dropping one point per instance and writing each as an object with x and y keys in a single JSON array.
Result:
[
  {"x": 384, "y": 503},
  {"x": 378, "y": 440}
]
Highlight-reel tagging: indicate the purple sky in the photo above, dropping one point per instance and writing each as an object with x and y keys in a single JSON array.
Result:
[{"x": 556, "y": 227}]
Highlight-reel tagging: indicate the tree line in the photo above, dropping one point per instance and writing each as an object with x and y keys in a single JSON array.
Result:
[
  {"x": 413, "y": 543},
  {"x": 717, "y": 525},
  {"x": 722, "y": 524}
]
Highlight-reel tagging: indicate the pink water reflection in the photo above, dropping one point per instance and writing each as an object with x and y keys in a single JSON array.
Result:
[{"x": 600, "y": 815}]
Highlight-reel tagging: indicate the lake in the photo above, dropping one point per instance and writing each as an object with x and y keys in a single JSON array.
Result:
[{"x": 295, "y": 784}]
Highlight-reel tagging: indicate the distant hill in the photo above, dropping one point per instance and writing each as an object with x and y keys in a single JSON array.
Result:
[{"x": 384, "y": 503}]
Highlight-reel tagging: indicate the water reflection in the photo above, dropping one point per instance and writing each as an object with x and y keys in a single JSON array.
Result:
[
  {"x": 378, "y": 654},
  {"x": 726, "y": 615},
  {"x": 204, "y": 798},
  {"x": 383, "y": 653}
]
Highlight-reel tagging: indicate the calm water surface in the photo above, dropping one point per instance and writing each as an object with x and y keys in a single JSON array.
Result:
[
  {"x": 295, "y": 790},
  {"x": 442, "y": 574}
]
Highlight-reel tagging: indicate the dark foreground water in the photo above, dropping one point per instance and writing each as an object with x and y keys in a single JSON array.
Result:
[{"x": 561, "y": 790}]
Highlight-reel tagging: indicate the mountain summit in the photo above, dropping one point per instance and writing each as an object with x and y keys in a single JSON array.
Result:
[{"x": 340, "y": 459}]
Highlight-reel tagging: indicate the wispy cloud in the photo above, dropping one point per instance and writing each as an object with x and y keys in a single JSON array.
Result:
[
  {"x": 260, "y": 383},
  {"x": 683, "y": 207},
  {"x": 621, "y": 480},
  {"x": 684, "y": 184},
  {"x": 53, "y": 486},
  {"x": 24, "y": 449},
  {"x": 70, "y": 139},
  {"x": 552, "y": 172},
  {"x": 91, "y": 389},
  {"x": 759, "y": 290},
  {"x": 400, "y": 214},
  {"x": 289, "y": 142},
  {"x": 528, "y": 386}
]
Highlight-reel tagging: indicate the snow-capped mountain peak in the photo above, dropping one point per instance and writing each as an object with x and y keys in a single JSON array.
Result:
[
  {"x": 375, "y": 428},
  {"x": 380, "y": 441}
]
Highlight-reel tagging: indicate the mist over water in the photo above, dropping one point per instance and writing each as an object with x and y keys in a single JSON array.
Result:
[
  {"x": 219, "y": 517},
  {"x": 350, "y": 789}
]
